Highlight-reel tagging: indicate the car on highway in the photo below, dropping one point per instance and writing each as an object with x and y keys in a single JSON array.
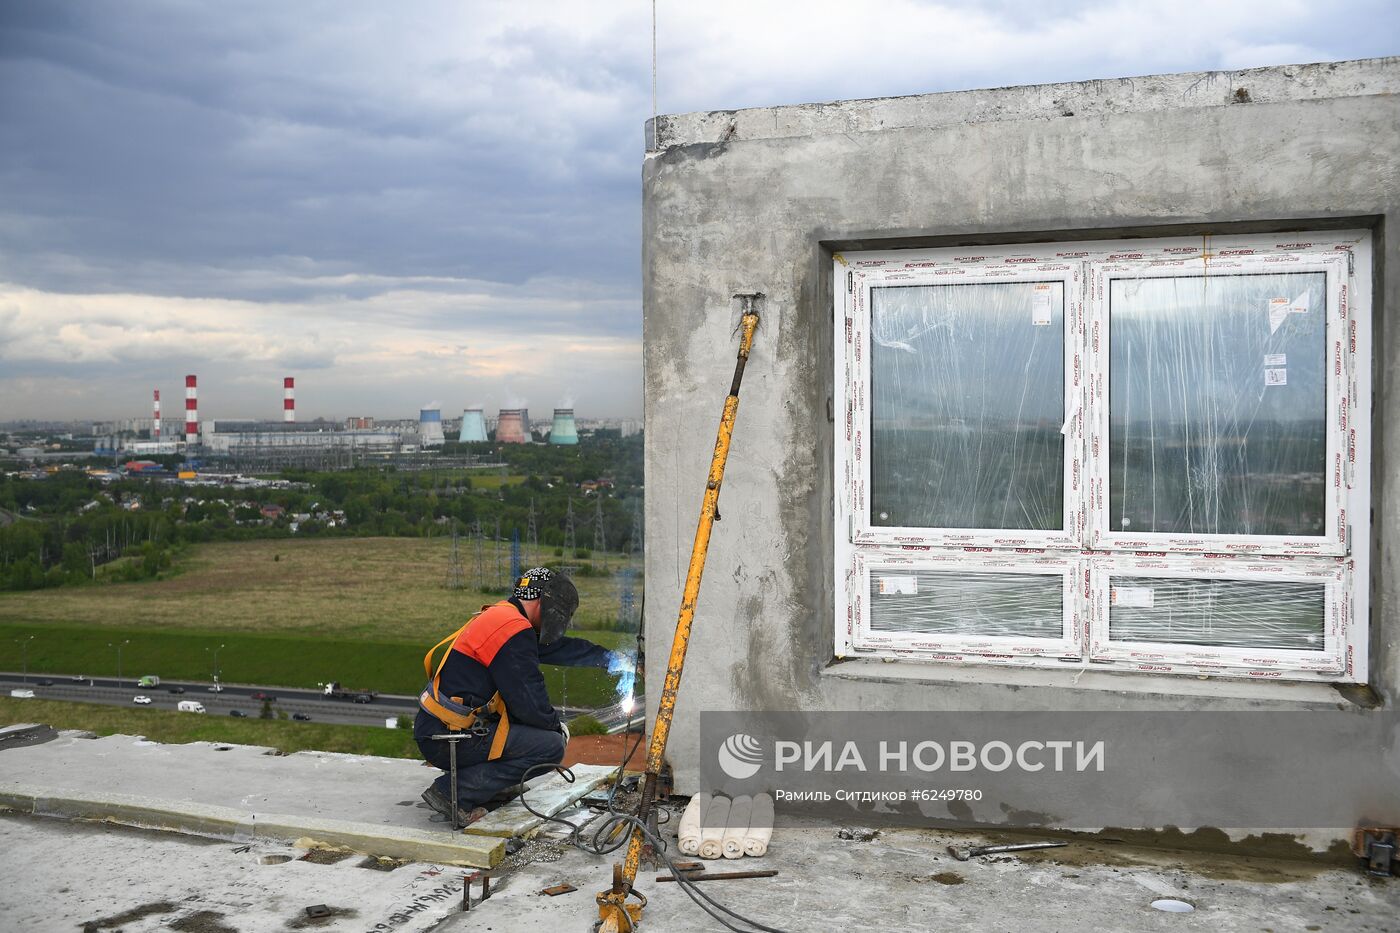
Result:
[
  {"x": 216, "y": 688},
  {"x": 143, "y": 700},
  {"x": 174, "y": 689},
  {"x": 79, "y": 678},
  {"x": 44, "y": 683},
  {"x": 263, "y": 696},
  {"x": 238, "y": 714},
  {"x": 301, "y": 717}
]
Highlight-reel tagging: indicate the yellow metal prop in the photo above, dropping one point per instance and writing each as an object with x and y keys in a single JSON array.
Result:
[{"x": 615, "y": 915}]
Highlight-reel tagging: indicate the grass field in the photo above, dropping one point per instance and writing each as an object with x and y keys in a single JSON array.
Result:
[
  {"x": 288, "y": 613},
  {"x": 178, "y": 728},
  {"x": 376, "y": 589}
]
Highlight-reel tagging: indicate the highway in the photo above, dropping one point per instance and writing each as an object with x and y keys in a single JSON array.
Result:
[{"x": 111, "y": 692}]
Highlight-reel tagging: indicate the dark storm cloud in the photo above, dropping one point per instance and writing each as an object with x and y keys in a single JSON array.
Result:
[
  {"x": 137, "y": 132},
  {"x": 407, "y": 200}
]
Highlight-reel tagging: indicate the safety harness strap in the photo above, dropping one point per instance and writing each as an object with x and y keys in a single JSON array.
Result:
[{"x": 452, "y": 712}]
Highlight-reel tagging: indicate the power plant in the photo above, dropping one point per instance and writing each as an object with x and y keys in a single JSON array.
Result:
[
  {"x": 473, "y": 426},
  {"x": 430, "y": 428},
  {"x": 563, "y": 430},
  {"x": 270, "y": 444},
  {"x": 511, "y": 427}
]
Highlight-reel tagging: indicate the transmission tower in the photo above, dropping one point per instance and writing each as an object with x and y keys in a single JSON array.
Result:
[
  {"x": 479, "y": 563},
  {"x": 570, "y": 545},
  {"x": 515, "y": 554},
  {"x": 600, "y": 540},
  {"x": 634, "y": 546},
  {"x": 454, "y": 564},
  {"x": 500, "y": 553},
  {"x": 532, "y": 537},
  {"x": 627, "y": 599}
]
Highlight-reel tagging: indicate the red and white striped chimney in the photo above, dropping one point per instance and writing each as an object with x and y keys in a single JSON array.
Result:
[
  {"x": 191, "y": 410},
  {"x": 289, "y": 400},
  {"x": 155, "y": 416}
]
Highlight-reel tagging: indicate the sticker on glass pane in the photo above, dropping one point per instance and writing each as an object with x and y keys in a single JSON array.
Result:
[
  {"x": 1042, "y": 303},
  {"x": 1279, "y": 309},
  {"x": 1220, "y": 613},
  {"x": 899, "y": 586},
  {"x": 966, "y": 406},
  {"x": 972, "y": 605},
  {"x": 1201, "y": 441},
  {"x": 1134, "y": 597}
]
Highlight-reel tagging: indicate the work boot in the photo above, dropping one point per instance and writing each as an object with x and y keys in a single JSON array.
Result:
[{"x": 435, "y": 799}]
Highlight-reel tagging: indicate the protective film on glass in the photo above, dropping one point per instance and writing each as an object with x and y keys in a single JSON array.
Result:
[
  {"x": 1218, "y": 405},
  {"x": 967, "y": 402},
  {"x": 966, "y": 604},
  {"x": 1219, "y": 613}
]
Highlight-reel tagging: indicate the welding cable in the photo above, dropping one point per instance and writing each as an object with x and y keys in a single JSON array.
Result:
[{"x": 603, "y": 842}]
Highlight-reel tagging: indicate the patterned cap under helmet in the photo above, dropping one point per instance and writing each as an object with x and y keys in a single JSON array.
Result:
[{"x": 558, "y": 600}]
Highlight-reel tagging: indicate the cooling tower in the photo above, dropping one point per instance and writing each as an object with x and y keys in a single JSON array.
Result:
[
  {"x": 510, "y": 427},
  {"x": 473, "y": 425},
  {"x": 430, "y": 427},
  {"x": 563, "y": 431}
]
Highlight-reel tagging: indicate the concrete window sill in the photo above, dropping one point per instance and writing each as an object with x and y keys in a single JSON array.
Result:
[{"x": 1154, "y": 691}]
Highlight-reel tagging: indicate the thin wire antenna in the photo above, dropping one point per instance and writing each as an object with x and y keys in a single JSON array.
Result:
[{"x": 652, "y": 147}]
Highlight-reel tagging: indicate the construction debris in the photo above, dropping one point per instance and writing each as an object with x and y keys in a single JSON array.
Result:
[
  {"x": 558, "y": 889},
  {"x": 534, "y": 850},
  {"x": 963, "y": 854}
]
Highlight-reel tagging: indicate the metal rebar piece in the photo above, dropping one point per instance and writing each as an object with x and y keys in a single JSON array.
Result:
[{"x": 720, "y": 875}]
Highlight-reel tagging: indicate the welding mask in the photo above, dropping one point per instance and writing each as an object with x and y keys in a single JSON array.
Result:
[{"x": 558, "y": 599}]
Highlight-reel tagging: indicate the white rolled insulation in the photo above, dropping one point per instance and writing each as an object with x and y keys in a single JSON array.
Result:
[
  {"x": 688, "y": 833},
  {"x": 733, "y": 842},
  {"x": 712, "y": 827},
  {"x": 760, "y": 829}
]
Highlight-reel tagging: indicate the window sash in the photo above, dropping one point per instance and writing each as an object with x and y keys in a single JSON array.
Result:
[
  {"x": 1101, "y": 534},
  {"x": 859, "y": 436},
  {"x": 1331, "y": 658},
  {"x": 870, "y": 563}
]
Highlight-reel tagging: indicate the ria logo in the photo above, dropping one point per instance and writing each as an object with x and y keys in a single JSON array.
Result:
[{"x": 741, "y": 756}]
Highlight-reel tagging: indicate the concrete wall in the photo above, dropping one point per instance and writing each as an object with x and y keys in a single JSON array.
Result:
[{"x": 758, "y": 200}]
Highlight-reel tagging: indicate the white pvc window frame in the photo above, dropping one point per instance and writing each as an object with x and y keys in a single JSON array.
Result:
[{"x": 1087, "y": 552}]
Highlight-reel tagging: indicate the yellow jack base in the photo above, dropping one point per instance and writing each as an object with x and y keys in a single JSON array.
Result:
[{"x": 615, "y": 914}]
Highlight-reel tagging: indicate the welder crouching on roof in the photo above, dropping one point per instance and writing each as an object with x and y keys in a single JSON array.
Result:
[{"x": 489, "y": 686}]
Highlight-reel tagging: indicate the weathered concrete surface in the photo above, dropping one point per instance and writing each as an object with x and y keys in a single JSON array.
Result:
[
  {"x": 65, "y": 876},
  {"x": 548, "y": 794},
  {"x": 906, "y": 881},
  {"x": 367, "y": 804},
  {"x": 759, "y": 200}
]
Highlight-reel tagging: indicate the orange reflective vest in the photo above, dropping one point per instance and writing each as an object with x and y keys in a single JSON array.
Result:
[{"x": 480, "y": 639}]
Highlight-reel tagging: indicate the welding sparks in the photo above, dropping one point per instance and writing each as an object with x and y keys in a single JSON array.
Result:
[{"x": 626, "y": 670}]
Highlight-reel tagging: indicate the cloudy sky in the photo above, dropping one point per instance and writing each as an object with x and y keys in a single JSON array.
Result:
[{"x": 400, "y": 203}]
